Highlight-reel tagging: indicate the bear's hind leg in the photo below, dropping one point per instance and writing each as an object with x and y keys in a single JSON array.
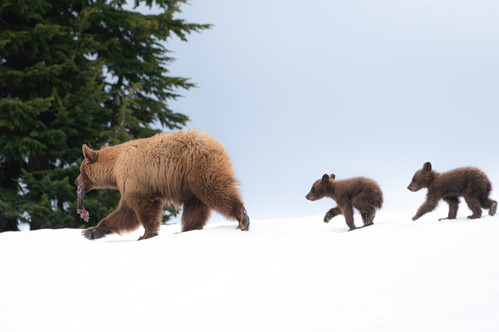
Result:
[
  {"x": 233, "y": 208},
  {"x": 366, "y": 209},
  {"x": 489, "y": 204},
  {"x": 474, "y": 205},
  {"x": 195, "y": 214},
  {"x": 217, "y": 189},
  {"x": 368, "y": 215},
  {"x": 228, "y": 203},
  {"x": 348, "y": 214}
]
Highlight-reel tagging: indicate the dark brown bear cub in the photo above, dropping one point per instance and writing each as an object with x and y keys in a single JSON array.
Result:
[
  {"x": 467, "y": 182},
  {"x": 361, "y": 193}
]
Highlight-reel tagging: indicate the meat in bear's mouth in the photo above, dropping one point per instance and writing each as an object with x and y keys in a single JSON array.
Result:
[{"x": 81, "y": 207}]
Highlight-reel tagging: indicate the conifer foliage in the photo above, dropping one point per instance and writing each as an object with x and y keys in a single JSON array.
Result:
[{"x": 75, "y": 72}]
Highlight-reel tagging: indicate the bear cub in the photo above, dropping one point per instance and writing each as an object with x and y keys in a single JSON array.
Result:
[
  {"x": 468, "y": 182},
  {"x": 360, "y": 193}
]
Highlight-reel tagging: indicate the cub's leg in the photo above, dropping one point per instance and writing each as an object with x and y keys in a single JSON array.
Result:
[
  {"x": 367, "y": 210},
  {"x": 348, "y": 213},
  {"x": 474, "y": 205},
  {"x": 428, "y": 206},
  {"x": 489, "y": 204},
  {"x": 123, "y": 219},
  {"x": 331, "y": 213},
  {"x": 368, "y": 216},
  {"x": 453, "y": 206},
  {"x": 195, "y": 214}
]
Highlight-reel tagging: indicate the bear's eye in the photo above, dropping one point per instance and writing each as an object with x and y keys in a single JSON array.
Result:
[
  {"x": 413, "y": 179},
  {"x": 312, "y": 190}
]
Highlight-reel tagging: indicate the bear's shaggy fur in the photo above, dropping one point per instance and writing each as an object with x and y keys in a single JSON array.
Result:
[
  {"x": 468, "y": 182},
  {"x": 186, "y": 168},
  {"x": 361, "y": 193}
]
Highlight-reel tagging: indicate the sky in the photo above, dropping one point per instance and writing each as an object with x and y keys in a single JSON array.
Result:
[{"x": 297, "y": 89}]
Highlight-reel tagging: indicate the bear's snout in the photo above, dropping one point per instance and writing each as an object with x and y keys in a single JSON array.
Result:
[{"x": 412, "y": 188}]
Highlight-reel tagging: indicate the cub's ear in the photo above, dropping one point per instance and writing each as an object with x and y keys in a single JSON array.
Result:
[
  {"x": 325, "y": 179},
  {"x": 104, "y": 147},
  {"x": 332, "y": 176},
  {"x": 88, "y": 153},
  {"x": 427, "y": 166}
]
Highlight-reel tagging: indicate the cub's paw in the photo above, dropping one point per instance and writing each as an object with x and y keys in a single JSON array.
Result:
[
  {"x": 329, "y": 215},
  {"x": 93, "y": 233},
  {"x": 493, "y": 208}
]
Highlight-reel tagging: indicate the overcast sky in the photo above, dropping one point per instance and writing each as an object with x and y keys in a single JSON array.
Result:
[{"x": 296, "y": 89}]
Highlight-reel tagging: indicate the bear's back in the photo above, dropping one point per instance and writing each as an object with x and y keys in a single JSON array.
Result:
[
  {"x": 167, "y": 163},
  {"x": 460, "y": 180},
  {"x": 355, "y": 186}
]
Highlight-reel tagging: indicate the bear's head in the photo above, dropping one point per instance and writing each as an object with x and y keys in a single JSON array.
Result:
[
  {"x": 422, "y": 178},
  {"x": 94, "y": 173},
  {"x": 320, "y": 188}
]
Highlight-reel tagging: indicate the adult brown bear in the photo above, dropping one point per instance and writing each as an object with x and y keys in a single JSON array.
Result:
[
  {"x": 186, "y": 168},
  {"x": 468, "y": 182}
]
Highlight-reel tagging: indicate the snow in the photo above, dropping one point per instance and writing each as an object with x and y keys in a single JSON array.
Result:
[{"x": 282, "y": 275}]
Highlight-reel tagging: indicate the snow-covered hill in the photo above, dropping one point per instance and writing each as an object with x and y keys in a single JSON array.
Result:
[{"x": 282, "y": 275}]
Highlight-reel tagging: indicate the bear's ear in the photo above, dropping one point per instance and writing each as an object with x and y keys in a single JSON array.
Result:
[
  {"x": 88, "y": 153},
  {"x": 332, "y": 176},
  {"x": 325, "y": 179},
  {"x": 104, "y": 147},
  {"x": 427, "y": 166}
]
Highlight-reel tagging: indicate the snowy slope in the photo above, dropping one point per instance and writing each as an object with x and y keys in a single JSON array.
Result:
[{"x": 282, "y": 275}]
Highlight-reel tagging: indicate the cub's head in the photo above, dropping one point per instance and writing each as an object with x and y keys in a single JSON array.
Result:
[
  {"x": 91, "y": 170},
  {"x": 422, "y": 178},
  {"x": 320, "y": 188}
]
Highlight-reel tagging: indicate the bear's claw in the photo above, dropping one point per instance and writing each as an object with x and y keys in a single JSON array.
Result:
[
  {"x": 93, "y": 233},
  {"x": 147, "y": 236}
]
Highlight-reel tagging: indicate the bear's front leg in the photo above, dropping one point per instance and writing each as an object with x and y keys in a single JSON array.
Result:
[
  {"x": 331, "y": 214},
  {"x": 121, "y": 219},
  {"x": 425, "y": 208},
  {"x": 148, "y": 211}
]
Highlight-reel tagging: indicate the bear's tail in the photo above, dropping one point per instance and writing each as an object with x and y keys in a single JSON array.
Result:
[
  {"x": 379, "y": 202},
  {"x": 485, "y": 201}
]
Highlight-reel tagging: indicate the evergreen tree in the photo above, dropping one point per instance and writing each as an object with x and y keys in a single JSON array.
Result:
[{"x": 74, "y": 72}]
